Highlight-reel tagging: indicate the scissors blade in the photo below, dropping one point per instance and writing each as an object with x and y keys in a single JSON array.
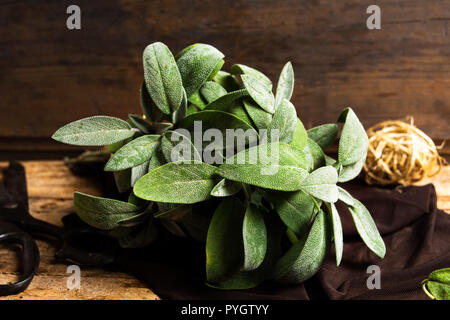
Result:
[{"x": 15, "y": 182}]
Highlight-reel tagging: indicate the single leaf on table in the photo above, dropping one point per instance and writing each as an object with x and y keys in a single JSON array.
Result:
[
  {"x": 94, "y": 131},
  {"x": 345, "y": 197},
  {"x": 321, "y": 183},
  {"x": 177, "y": 182},
  {"x": 305, "y": 257},
  {"x": 226, "y": 188},
  {"x": 261, "y": 94},
  {"x": 261, "y": 77},
  {"x": 337, "y": 232},
  {"x": 224, "y": 102},
  {"x": 285, "y": 85},
  {"x": 175, "y": 147},
  {"x": 224, "y": 243},
  {"x": 138, "y": 172},
  {"x": 285, "y": 121},
  {"x": 162, "y": 78},
  {"x": 133, "y": 153},
  {"x": 139, "y": 123},
  {"x": 300, "y": 136},
  {"x": 296, "y": 209},
  {"x": 367, "y": 228},
  {"x": 351, "y": 171},
  {"x": 102, "y": 213},
  {"x": 212, "y": 91},
  {"x": 324, "y": 135},
  {"x": 254, "y": 234},
  {"x": 314, "y": 154},
  {"x": 353, "y": 142},
  {"x": 260, "y": 118},
  {"x": 227, "y": 81},
  {"x": 274, "y": 166},
  {"x": 151, "y": 111},
  {"x": 197, "y": 65}
]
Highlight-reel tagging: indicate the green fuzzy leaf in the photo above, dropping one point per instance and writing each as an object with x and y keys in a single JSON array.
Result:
[
  {"x": 254, "y": 234},
  {"x": 162, "y": 78},
  {"x": 305, "y": 257},
  {"x": 122, "y": 179},
  {"x": 353, "y": 143},
  {"x": 177, "y": 182},
  {"x": 300, "y": 136},
  {"x": 285, "y": 120},
  {"x": 337, "y": 232},
  {"x": 226, "y": 188},
  {"x": 212, "y": 91},
  {"x": 367, "y": 229},
  {"x": 329, "y": 161},
  {"x": 197, "y": 65},
  {"x": 321, "y": 183},
  {"x": 197, "y": 100},
  {"x": 227, "y": 81},
  {"x": 261, "y": 77},
  {"x": 260, "y": 118},
  {"x": 345, "y": 197},
  {"x": 314, "y": 154},
  {"x": 347, "y": 173},
  {"x": 181, "y": 112},
  {"x": 151, "y": 111},
  {"x": 285, "y": 85},
  {"x": 224, "y": 249},
  {"x": 94, "y": 131},
  {"x": 176, "y": 147},
  {"x": 438, "y": 284},
  {"x": 138, "y": 172},
  {"x": 133, "y": 153},
  {"x": 160, "y": 127},
  {"x": 324, "y": 135},
  {"x": 139, "y": 123},
  {"x": 274, "y": 166},
  {"x": 296, "y": 209},
  {"x": 157, "y": 160},
  {"x": 225, "y": 102},
  {"x": 102, "y": 213},
  {"x": 172, "y": 211},
  {"x": 262, "y": 95}
]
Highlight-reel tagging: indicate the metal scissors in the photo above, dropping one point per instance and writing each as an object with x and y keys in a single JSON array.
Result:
[{"x": 17, "y": 226}]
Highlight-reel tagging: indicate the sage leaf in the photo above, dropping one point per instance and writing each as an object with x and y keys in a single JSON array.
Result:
[
  {"x": 260, "y": 118},
  {"x": 296, "y": 209},
  {"x": 122, "y": 179},
  {"x": 321, "y": 183},
  {"x": 347, "y": 173},
  {"x": 254, "y": 234},
  {"x": 151, "y": 111},
  {"x": 285, "y": 85},
  {"x": 140, "y": 236},
  {"x": 274, "y": 166},
  {"x": 224, "y": 102},
  {"x": 353, "y": 143},
  {"x": 181, "y": 112},
  {"x": 177, "y": 182},
  {"x": 324, "y": 135},
  {"x": 94, "y": 131},
  {"x": 102, "y": 213},
  {"x": 329, "y": 161},
  {"x": 226, "y": 188},
  {"x": 261, "y": 77},
  {"x": 212, "y": 91},
  {"x": 227, "y": 81},
  {"x": 224, "y": 243},
  {"x": 138, "y": 172},
  {"x": 300, "y": 136},
  {"x": 262, "y": 95},
  {"x": 367, "y": 229},
  {"x": 345, "y": 197},
  {"x": 139, "y": 123},
  {"x": 197, "y": 65},
  {"x": 305, "y": 257},
  {"x": 314, "y": 155},
  {"x": 172, "y": 211},
  {"x": 160, "y": 127},
  {"x": 133, "y": 153},
  {"x": 162, "y": 78},
  {"x": 285, "y": 121},
  {"x": 437, "y": 286},
  {"x": 337, "y": 232},
  {"x": 197, "y": 100},
  {"x": 176, "y": 146}
]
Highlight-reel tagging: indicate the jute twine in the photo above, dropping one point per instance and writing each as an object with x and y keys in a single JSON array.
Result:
[{"x": 400, "y": 153}]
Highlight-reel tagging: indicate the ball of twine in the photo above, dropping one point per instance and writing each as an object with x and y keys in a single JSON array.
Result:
[{"x": 400, "y": 153}]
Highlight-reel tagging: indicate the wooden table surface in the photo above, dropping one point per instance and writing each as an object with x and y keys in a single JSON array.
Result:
[{"x": 50, "y": 187}]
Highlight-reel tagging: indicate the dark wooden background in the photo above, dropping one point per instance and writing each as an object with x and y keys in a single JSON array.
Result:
[{"x": 50, "y": 76}]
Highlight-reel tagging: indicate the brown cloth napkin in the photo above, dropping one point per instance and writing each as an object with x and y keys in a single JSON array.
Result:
[{"x": 416, "y": 234}]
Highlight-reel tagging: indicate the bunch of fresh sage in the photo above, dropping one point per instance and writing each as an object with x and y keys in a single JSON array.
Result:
[{"x": 220, "y": 158}]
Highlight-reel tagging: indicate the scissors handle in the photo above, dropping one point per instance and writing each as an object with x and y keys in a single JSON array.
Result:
[{"x": 30, "y": 258}]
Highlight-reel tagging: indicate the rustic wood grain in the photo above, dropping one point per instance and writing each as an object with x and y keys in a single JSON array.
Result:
[
  {"x": 50, "y": 187},
  {"x": 50, "y": 76}
]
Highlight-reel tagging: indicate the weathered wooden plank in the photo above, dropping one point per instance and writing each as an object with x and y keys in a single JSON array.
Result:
[{"x": 50, "y": 76}]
